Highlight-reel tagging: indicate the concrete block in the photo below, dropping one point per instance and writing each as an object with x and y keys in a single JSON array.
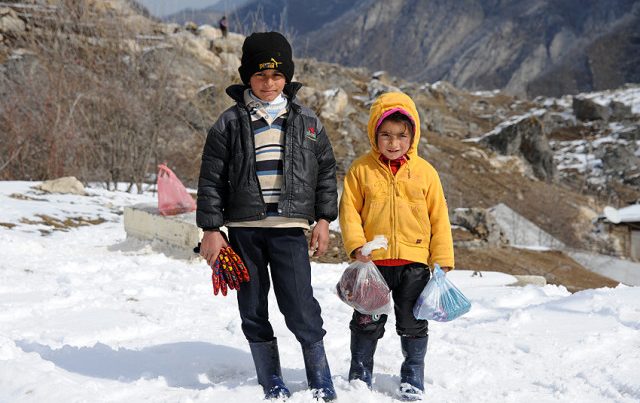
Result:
[{"x": 143, "y": 221}]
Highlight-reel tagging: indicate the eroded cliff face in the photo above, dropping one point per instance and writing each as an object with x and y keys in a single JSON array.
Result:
[{"x": 534, "y": 47}]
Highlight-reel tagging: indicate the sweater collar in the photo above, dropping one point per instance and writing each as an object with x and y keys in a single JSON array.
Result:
[{"x": 236, "y": 91}]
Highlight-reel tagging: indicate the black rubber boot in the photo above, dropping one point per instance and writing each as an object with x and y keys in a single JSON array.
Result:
[
  {"x": 318, "y": 373},
  {"x": 267, "y": 361},
  {"x": 414, "y": 350},
  {"x": 362, "y": 350}
]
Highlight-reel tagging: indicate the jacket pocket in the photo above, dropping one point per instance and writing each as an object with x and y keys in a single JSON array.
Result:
[
  {"x": 413, "y": 227},
  {"x": 305, "y": 169}
]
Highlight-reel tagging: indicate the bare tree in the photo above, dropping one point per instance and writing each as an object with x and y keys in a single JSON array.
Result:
[{"x": 83, "y": 100}]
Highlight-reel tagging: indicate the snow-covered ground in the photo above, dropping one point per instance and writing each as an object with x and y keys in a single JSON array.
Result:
[{"x": 87, "y": 316}]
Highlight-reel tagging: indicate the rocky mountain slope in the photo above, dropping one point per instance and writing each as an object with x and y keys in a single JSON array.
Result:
[
  {"x": 533, "y": 47},
  {"x": 554, "y": 161}
]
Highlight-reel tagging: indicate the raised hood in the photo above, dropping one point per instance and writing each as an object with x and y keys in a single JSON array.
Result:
[{"x": 385, "y": 104}]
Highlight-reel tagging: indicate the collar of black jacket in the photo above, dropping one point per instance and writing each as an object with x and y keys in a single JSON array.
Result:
[{"x": 236, "y": 91}]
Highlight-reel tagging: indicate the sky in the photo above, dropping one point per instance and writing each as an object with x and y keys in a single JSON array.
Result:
[
  {"x": 162, "y": 8},
  {"x": 89, "y": 315}
]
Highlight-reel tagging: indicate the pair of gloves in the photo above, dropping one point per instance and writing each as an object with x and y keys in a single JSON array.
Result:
[{"x": 228, "y": 271}]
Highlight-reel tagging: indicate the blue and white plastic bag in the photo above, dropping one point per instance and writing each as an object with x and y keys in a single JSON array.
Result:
[{"x": 440, "y": 300}]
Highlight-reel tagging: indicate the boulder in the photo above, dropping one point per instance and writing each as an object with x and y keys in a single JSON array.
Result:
[
  {"x": 191, "y": 27},
  {"x": 377, "y": 87},
  {"x": 586, "y": 110},
  {"x": 232, "y": 44},
  {"x": 335, "y": 103},
  {"x": 480, "y": 223},
  {"x": 620, "y": 161},
  {"x": 10, "y": 22},
  {"x": 170, "y": 28},
  {"x": 198, "y": 47},
  {"x": 552, "y": 121},
  {"x": 310, "y": 97},
  {"x": 630, "y": 133},
  {"x": 67, "y": 184},
  {"x": 524, "y": 137},
  {"x": 620, "y": 111},
  {"x": 209, "y": 32}
]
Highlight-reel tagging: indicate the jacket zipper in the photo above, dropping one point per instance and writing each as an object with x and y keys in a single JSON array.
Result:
[
  {"x": 395, "y": 193},
  {"x": 287, "y": 138},
  {"x": 255, "y": 162},
  {"x": 392, "y": 184}
]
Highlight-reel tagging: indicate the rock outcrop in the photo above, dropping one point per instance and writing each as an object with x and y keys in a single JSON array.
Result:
[
  {"x": 526, "y": 139},
  {"x": 523, "y": 46}
]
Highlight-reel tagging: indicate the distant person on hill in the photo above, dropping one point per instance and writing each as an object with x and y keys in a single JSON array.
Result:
[
  {"x": 223, "y": 26},
  {"x": 267, "y": 172},
  {"x": 391, "y": 191}
]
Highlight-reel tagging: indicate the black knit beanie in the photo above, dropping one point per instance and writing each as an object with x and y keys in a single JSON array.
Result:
[{"x": 266, "y": 50}]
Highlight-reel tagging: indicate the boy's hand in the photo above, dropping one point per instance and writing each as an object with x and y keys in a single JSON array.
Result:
[
  {"x": 360, "y": 257},
  {"x": 212, "y": 242},
  {"x": 320, "y": 238}
]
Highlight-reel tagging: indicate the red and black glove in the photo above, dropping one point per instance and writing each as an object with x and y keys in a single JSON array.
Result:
[
  {"x": 218, "y": 280},
  {"x": 228, "y": 271}
]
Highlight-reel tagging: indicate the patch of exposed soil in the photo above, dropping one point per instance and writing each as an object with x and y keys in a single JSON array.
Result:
[{"x": 554, "y": 266}]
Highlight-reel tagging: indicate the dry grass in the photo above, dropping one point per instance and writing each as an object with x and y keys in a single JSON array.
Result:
[
  {"x": 20, "y": 196},
  {"x": 62, "y": 224}
]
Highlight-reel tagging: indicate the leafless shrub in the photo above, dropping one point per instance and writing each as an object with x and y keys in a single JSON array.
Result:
[{"x": 84, "y": 100}]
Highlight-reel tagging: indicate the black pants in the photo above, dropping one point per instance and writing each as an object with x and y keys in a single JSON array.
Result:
[
  {"x": 285, "y": 252},
  {"x": 406, "y": 283}
]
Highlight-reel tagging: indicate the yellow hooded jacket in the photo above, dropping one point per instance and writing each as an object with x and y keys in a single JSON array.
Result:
[{"x": 409, "y": 208}]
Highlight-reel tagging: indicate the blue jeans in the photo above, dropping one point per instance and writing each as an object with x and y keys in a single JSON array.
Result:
[{"x": 283, "y": 253}]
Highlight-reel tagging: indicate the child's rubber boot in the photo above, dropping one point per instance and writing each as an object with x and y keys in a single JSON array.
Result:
[
  {"x": 267, "y": 361},
  {"x": 362, "y": 350},
  {"x": 414, "y": 350},
  {"x": 318, "y": 373}
]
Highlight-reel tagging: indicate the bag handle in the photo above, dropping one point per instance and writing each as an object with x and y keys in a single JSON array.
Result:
[
  {"x": 163, "y": 170},
  {"x": 379, "y": 241}
]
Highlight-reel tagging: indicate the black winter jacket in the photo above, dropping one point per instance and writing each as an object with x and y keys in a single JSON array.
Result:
[{"x": 228, "y": 187}]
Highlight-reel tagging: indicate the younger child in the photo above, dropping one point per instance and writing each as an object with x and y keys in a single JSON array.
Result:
[
  {"x": 267, "y": 172},
  {"x": 391, "y": 191}
]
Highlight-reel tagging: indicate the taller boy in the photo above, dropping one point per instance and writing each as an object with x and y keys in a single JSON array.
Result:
[{"x": 267, "y": 172}]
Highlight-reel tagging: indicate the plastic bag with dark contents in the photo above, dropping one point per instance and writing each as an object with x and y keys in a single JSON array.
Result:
[
  {"x": 440, "y": 300},
  {"x": 362, "y": 287}
]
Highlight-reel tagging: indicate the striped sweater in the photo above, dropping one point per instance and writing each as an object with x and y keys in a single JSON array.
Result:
[{"x": 268, "y": 121}]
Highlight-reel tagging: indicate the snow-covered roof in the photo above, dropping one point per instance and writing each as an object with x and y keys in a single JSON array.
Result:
[{"x": 625, "y": 214}]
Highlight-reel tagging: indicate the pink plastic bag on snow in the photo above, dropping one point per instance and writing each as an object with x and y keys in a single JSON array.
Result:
[{"x": 173, "y": 198}]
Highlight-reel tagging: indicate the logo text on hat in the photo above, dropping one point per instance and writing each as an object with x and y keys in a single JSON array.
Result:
[{"x": 271, "y": 64}]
